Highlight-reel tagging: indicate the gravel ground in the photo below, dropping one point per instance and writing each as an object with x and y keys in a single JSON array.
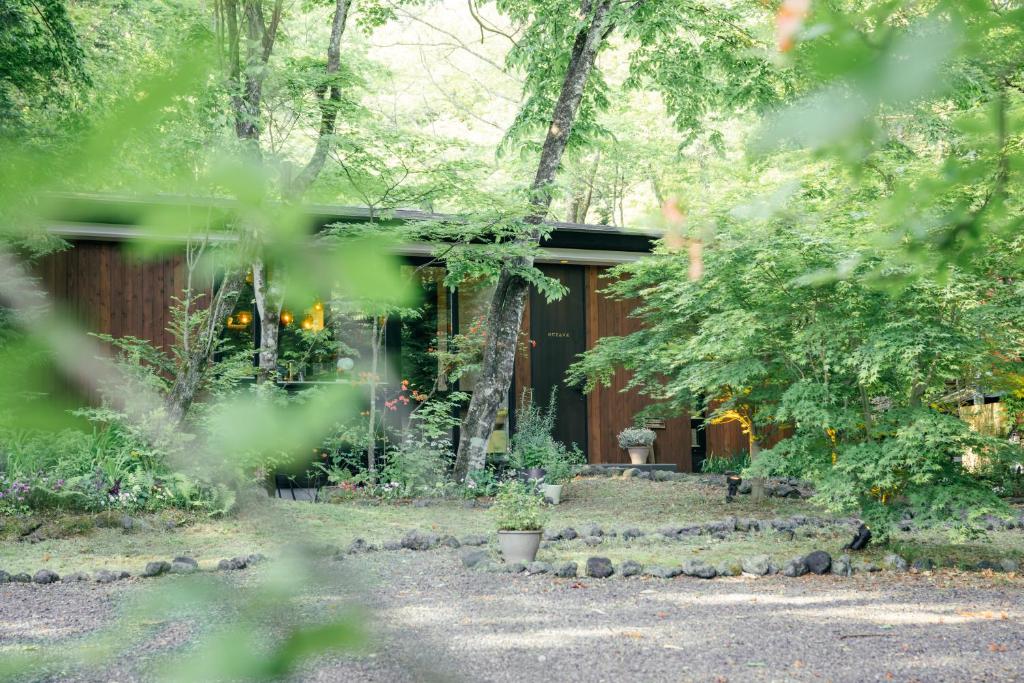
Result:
[{"x": 436, "y": 621}]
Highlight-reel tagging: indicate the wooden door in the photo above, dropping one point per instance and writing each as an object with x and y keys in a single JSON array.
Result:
[{"x": 559, "y": 330}]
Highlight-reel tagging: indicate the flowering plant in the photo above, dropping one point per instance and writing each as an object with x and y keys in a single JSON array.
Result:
[{"x": 635, "y": 437}]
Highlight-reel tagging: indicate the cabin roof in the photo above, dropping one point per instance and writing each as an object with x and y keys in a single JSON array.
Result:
[{"x": 114, "y": 210}]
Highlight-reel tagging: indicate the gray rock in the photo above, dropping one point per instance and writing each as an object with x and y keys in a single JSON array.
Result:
[
  {"x": 841, "y": 566},
  {"x": 591, "y": 530},
  {"x": 419, "y": 540},
  {"x": 795, "y": 567},
  {"x": 988, "y": 564},
  {"x": 568, "y": 533},
  {"x": 702, "y": 570},
  {"x": 106, "y": 576},
  {"x": 631, "y": 568},
  {"x": 472, "y": 557},
  {"x": 728, "y": 569},
  {"x": 469, "y": 504},
  {"x": 550, "y": 535},
  {"x": 566, "y": 570},
  {"x": 867, "y": 567},
  {"x": 46, "y": 576},
  {"x": 473, "y": 539},
  {"x": 515, "y": 568},
  {"x": 632, "y": 532},
  {"x": 233, "y": 564},
  {"x": 894, "y": 561},
  {"x": 819, "y": 562},
  {"x": 4, "y": 577},
  {"x": 186, "y": 560},
  {"x": 785, "y": 491},
  {"x": 758, "y": 565},
  {"x": 539, "y": 568},
  {"x": 715, "y": 528},
  {"x": 661, "y": 475},
  {"x": 156, "y": 568},
  {"x": 923, "y": 564},
  {"x": 1007, "y": 565},
  {"x": 450, "y": 542},
  {"x": 359, "y": 546},
  {"x": 73, "y": 578},
  {"x": 422, "y": 503},
  {"x": 599, "y": 567},
  {"x": 21, "y": 577},
  {"x": 630, "y": 472},
  {"x": 593, "y": 540},
  {"x": 392, "y": 545},
  {"x": 660, "y": 572},
  {"x": 179, "y": 566},
  {"x": 745, "y": 487}
]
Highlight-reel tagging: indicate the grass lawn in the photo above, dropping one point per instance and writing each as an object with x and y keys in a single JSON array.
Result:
[{"x": 88, "y": 543}]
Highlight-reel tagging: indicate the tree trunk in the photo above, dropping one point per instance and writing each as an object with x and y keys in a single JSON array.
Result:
[
  {"x": 269, "y": 301},
  {"x": 509, "y": 299},
  {"x": 377, "y": 340},
  {"x": 190, "y": 376},
  {"x": 329, "y": 97},
  {"x": 757, "y": 492}
]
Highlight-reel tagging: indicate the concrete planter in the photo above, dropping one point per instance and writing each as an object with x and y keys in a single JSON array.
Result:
[
  {"x": 638, "y": 454},
  {"x": 519, "y": 546},
  {"x": 552, "y": 493}
]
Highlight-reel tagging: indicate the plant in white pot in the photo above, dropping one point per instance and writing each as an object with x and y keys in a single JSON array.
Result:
[
  {"x": 638, "y": 441},
  {"x": 557, "y": 471},
  {"x": 519, "y": 514}
]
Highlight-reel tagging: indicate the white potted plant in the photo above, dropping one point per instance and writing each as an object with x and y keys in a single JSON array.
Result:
[
  {"x": 638, "y": 441},
  {"x": 519, "y": 515},
  {"x": 557, "y": 471}
]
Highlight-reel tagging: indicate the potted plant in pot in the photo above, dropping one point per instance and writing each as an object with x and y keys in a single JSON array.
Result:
[
  {"x": 560, "y": 466},
  {"x": 557, "y": 471},
  {"x": 519, "y": 515},
  {"x": 638, "y": 441}
]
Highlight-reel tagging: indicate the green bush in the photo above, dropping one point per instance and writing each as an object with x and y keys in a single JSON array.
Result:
[
  {"x": 717, "y": 464},
  {"x": 518, "y": 507}
]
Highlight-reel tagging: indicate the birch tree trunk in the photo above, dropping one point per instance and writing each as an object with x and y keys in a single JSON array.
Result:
[
  {"x": 269, "y": 300},
  {"x": 506, "y": 311},
  {"x": 268, "y": 297}
]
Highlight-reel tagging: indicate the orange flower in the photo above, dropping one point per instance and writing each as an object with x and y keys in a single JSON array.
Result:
[{"x": 788, "y": 22}]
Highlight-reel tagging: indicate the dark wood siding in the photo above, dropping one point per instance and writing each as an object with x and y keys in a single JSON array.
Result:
[
  {"x": 611, "y": 409},
  {"x": 107, "y": 290}
]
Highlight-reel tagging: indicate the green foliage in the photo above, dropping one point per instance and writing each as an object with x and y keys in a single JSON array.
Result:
[
  {"x": 532, "y": 442},
  {"x": 719, "y": 464},
  {"x": 40, "y": 57},
  {"x": 518, "y": 507}
]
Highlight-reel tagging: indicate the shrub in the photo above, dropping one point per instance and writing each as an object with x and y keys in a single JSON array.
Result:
[
  {"x": 719, "y": 464},
  {"x": 532, "y": 443},
  {"x": 518, "y": 507},
  {"x": 633, "y": 437}
]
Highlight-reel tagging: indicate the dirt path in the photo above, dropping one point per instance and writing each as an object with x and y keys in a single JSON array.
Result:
[{"x": 436, "y": 621}]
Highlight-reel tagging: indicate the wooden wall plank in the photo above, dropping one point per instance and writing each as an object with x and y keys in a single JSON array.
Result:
[{"x": 614, "y": 407}]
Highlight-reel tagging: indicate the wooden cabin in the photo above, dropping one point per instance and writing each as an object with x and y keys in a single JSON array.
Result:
[{"x": 110, "y": 291}]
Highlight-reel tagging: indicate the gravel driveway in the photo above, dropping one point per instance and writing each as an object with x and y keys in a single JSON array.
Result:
[{"x": 437, "y": 621}]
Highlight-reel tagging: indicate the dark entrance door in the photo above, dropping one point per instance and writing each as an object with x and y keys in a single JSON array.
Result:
[
  {"x": 698, "y": 442},
  {"x": 559, "y": 328}
]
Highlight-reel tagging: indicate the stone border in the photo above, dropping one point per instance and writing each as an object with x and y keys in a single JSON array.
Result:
[
  {"x": 817, "y": 562},
  {"x": 778, "y": 487},
  {"x": 473, "y": 556},
  {"x": 179, "y": 565}
]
